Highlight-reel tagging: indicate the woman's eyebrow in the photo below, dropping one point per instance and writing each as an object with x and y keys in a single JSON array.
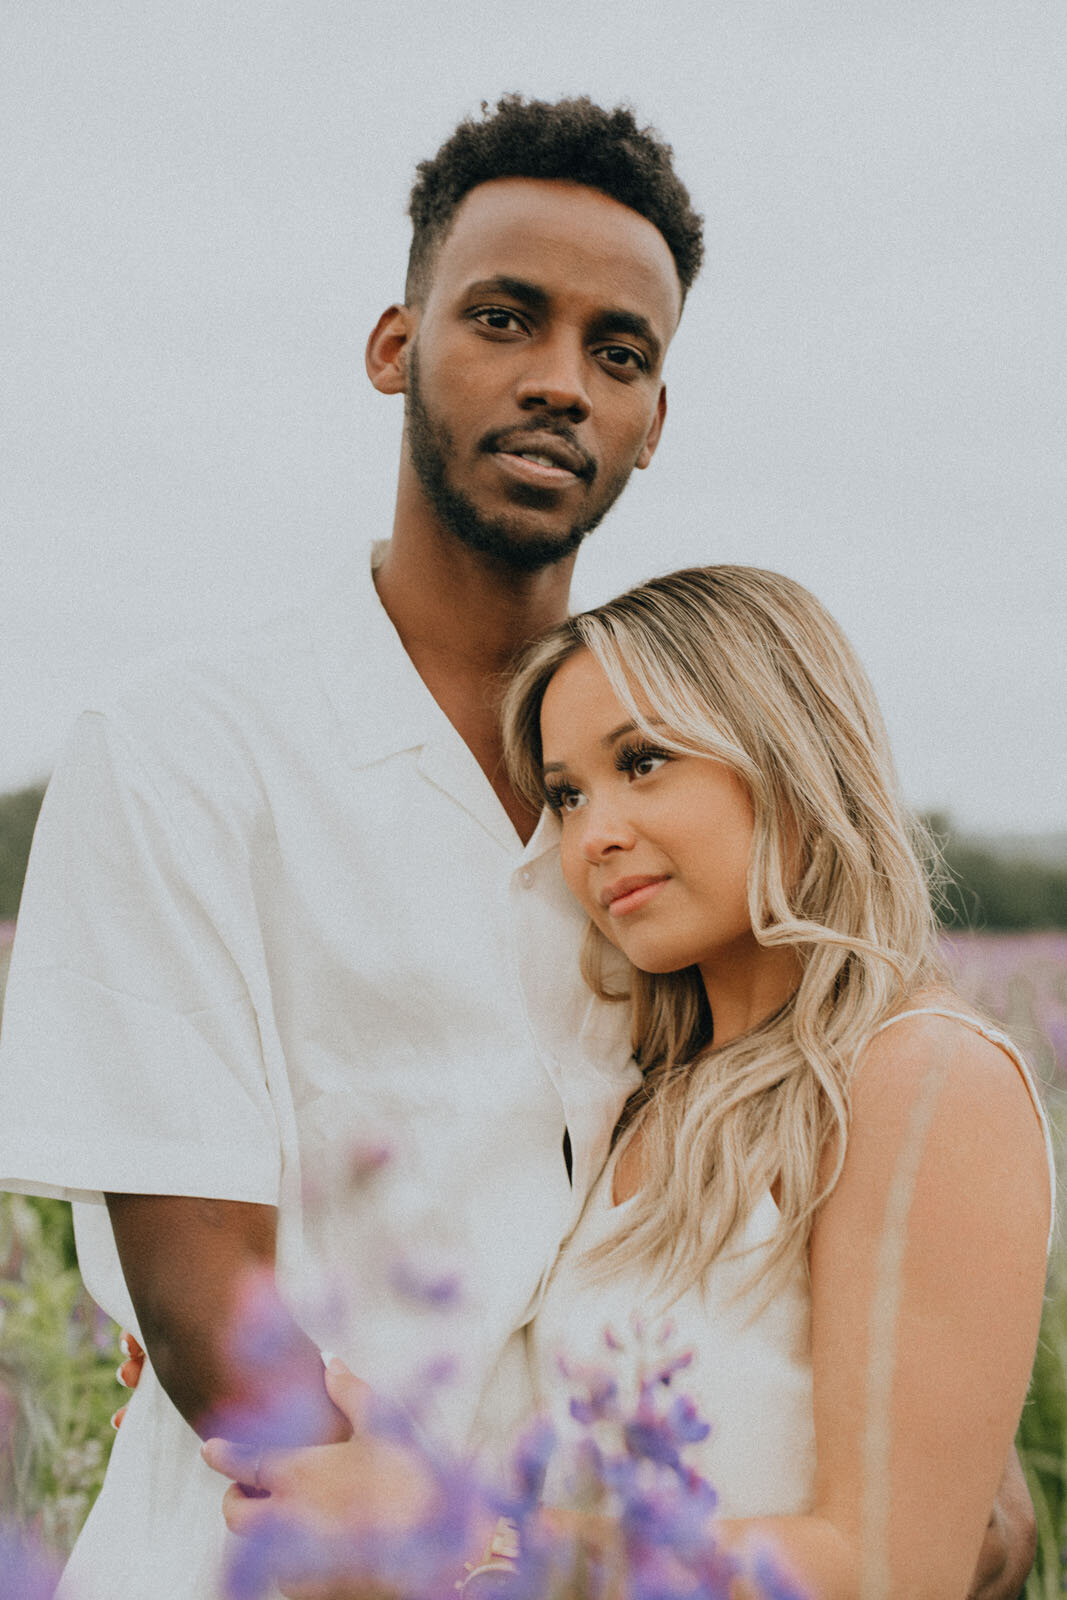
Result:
[{"x": 607, "y": 741}]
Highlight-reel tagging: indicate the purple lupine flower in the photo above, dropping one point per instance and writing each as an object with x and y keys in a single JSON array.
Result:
[
  {"x": 651, "y": 1438},
  {"x": 102, "y": 1330},
  {"x": 529, "y": 1461},
  {"x": 773, "y": 1582},
  {"x": 686, "y": 1422},
  {"x": 699, "y": 1489},
  {"x": 666, "y": 1373},
  {"x": 286, "y": 1418},
  {"x": 29, "y": 1572},
  {"x": 438, "y": 1291},
  {"x": 263, "y": 1334},
  {"x": 285, "y": 1549},
  {"x": 598, "y": 1403},
  {"x": 365, "y": 1160}
]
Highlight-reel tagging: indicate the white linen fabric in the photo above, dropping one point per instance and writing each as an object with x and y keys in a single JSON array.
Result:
[
  {"x": 750, "y": 1374},
  {"x": 275, "y": 914}
]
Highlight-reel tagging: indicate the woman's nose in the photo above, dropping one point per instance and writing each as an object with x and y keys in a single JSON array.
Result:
[{"x": 605, "y": 831}]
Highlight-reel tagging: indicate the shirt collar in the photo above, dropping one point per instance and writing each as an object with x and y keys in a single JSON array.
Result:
[{"x": 382, "y": 704}]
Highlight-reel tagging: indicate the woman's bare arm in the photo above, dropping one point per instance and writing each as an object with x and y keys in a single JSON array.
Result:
[{"x": 928, "y": 1266}]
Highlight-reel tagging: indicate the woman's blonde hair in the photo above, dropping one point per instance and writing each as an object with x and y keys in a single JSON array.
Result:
[{"x": 746, "y": 667}]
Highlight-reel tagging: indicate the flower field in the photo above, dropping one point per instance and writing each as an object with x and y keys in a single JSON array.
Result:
[{"x": 58, "y": 1353}]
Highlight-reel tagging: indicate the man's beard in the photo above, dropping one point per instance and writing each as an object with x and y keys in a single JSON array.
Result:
[{"x": 507, "y": 540}]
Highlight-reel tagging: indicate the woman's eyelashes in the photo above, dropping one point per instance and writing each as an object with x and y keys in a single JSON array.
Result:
[
  {"x": 639, "y": 758},
  {"x": 635, "y": 758},
  {"x": 561, "y": 796}
]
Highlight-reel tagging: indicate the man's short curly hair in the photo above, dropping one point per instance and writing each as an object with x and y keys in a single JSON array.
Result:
[{"x": 573, "y": 140}]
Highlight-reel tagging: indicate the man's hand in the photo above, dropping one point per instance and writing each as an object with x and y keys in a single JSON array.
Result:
[
  {"x": 1010, "y": 1544},
  {"x": 129, "y": 1372}
]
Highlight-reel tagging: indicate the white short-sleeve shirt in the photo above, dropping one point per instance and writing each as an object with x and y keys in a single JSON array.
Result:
[{"x": 275, "y": 917}]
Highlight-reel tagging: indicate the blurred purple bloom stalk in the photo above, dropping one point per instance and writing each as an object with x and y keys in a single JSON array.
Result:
[
  {"x": 27, "y": 1571},
  {"x": 638, "y": 1515}
]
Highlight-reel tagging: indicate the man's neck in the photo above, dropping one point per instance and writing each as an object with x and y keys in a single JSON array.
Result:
[{"x": 463, "y": 618}]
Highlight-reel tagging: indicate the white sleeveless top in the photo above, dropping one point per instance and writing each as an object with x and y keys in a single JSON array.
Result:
[{"x": 750, "y": 1374}]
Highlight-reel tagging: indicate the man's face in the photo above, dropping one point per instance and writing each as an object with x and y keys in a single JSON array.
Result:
[{"x": 533, "y": 383}]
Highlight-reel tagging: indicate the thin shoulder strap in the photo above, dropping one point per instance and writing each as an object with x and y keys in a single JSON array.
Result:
[{"x": 995, "y": 1036}]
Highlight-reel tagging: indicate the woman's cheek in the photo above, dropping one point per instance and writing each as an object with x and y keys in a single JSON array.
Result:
[{"x": 575, "y": 873}]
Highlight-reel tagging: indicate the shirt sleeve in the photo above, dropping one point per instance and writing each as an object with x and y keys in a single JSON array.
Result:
[{"x": 130, "y": 1057}]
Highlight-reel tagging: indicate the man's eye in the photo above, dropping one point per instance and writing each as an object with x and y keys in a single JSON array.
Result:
[
  {"x": 499, "y": 319},
  {"x": 623, "y": 356}
]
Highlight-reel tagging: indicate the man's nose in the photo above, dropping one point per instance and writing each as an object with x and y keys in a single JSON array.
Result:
[{"x": 555, "y": 379}]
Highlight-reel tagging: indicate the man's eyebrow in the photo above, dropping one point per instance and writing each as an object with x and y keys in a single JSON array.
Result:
[
  {"x": 611, "y": 320},
  {"x": 530, "y": 294},
  {"x": 619, "y": 321}
]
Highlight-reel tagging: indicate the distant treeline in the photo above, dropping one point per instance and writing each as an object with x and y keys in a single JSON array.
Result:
[
  {"x": 987, "y": 888},
  {"x": 999, "y": 888}
]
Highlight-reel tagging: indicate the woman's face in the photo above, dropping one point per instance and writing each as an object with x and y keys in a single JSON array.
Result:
[{"x": 655, "y": 845}]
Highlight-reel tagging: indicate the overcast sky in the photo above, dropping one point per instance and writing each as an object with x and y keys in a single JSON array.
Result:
[{"x": 205, "y": 212}]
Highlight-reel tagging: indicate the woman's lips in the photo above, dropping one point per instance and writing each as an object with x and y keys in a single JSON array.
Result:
[{"x": 629, "y": 894}]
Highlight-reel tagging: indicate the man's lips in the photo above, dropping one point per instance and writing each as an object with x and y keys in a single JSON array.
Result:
[
  {"x": 627, "y": 894},
  {"x": 542, "y": 456}
]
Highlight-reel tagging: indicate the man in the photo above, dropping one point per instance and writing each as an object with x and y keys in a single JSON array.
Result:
[{"x": 284, "y": 902}]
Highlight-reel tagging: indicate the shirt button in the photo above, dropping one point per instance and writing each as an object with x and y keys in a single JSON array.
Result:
[{"x": 526, "y": 877}]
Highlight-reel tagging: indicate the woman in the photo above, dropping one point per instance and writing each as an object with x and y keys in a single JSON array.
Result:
[{"x": 833, "y": 1176}]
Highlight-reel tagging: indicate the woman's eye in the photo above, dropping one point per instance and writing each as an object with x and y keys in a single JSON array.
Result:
[
  {"x": 563, "y": 800},
  {"x": 640, "y": 763}
]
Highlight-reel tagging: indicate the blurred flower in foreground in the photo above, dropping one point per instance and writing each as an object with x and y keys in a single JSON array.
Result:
[
  {"x": 637, "y": 1521},
  {"x": 265, "y": 1340},
  {"x": 27, "y": 1572}
]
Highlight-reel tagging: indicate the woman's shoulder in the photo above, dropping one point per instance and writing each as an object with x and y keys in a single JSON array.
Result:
[
  {"x": 937, "y": 1064},
  {"x": 937, "y": 1031}
]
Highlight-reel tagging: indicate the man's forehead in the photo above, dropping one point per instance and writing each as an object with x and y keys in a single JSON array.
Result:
[{"x": 535, "y": 228}]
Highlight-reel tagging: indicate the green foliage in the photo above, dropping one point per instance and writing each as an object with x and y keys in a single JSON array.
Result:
[
  {"x": 18, "y": 817},
  {"x": 57, "y": 1374},
  {"x": 1022, "y": 980},
  {"x": 995, "y": 893},
  {"x": 1043, "y": 1445},
  {"x": 998, "y": 889}
]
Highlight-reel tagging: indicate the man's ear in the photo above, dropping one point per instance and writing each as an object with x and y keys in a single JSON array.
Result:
[
  {"x": 387, "y": 347},
  {"x": 648, "y": 449}
]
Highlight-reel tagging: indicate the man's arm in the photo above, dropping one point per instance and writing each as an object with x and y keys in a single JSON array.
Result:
[{"x": 225, "y": 1349}]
